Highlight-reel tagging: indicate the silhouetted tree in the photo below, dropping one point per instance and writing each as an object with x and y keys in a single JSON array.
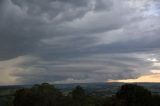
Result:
[
  {"x": 47, "y": 95},
  {"x": 39, "y": 95},
  {"x": 134, "y": 95},
  {"x": 156, "y": 100},
  {"x": 78, "y": 96},
  {"x": 8, "y": 101}
]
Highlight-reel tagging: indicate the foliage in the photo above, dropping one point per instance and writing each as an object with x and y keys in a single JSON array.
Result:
[
  {"x": 78, "y": 96},
  {"x": 38, "y": 95},
  {"x": 47, "y": 95},
  {"x": 134, "y": 95},
  {"x": 156, "y": 100}
]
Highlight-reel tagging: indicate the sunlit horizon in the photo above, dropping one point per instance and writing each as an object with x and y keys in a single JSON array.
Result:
[{"x": 153, "y": 78}]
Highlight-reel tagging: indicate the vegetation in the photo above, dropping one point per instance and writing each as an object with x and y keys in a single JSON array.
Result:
[
  {"x": 47, "y": 95},
  {"x": 133, "y": 95}
]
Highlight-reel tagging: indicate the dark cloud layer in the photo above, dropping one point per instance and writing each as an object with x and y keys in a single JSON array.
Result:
[{"x": 61, "y": 41}]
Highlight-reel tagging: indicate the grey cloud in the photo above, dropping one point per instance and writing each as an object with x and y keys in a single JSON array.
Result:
[
  {"x": 96, "y": 67},
  {"x": 57, "y": 10},
  {"x": 90, "y": 40},
  {"x": 25, "y": 23}
]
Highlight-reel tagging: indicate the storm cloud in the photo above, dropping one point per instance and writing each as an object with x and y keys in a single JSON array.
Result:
[{"x": 60, "y": 41}]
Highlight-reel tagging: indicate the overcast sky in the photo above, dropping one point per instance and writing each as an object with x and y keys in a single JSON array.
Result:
[{"x": 72, "y": 41}]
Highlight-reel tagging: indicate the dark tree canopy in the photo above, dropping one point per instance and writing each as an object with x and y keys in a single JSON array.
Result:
[
  {"x": 156, "y": 100},
  {"x": 134, "y": 95},
  {"x": 47, "y": 95},
  {"x": 38, "y": 95},
  {"x": 78, "y": 95}
]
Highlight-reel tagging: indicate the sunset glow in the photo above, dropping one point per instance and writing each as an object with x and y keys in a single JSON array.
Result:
[{"x": 146, "y": 78}]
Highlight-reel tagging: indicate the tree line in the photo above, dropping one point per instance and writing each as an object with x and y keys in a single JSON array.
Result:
[{"x": 47, "y": 95}]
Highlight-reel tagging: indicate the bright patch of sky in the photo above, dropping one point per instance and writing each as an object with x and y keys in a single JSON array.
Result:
[{"x": 153, "y": 10}]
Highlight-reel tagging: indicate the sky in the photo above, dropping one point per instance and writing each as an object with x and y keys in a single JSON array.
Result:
[{"x": 79, "y": 41}]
